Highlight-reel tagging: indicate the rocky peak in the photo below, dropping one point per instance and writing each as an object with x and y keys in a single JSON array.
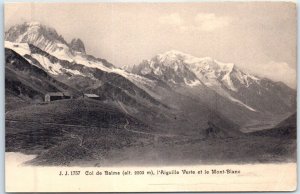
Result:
[
  {"x": 77, "y": 45},
  {"x": 33, "y": 33}
]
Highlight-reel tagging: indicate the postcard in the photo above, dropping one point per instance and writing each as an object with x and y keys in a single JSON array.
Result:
[{"x": 161, "y": 97}]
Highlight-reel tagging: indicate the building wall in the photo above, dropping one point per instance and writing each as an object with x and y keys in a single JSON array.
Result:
[
  {"x": 52, "y": 98},
  {"x": 47, "y": 98}
]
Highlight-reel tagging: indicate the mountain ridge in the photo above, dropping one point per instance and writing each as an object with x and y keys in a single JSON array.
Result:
[
  {"x": 224, "y": 90},
  {"x": 180, "y": 69}
]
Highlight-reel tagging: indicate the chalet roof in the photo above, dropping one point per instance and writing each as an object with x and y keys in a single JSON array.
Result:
[
  {"x": 91, "y": 95},
  {"x": 58, "y": 94}
]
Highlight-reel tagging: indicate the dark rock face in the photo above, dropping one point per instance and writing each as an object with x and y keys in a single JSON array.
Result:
[
  {"x": 266, "y": 95},
  {"x": 25, "y": 80},
  {"x": 77, "y": 45}
]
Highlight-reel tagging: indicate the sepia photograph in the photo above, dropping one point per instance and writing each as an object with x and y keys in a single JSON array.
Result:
[{"x": 161, "y": 85}]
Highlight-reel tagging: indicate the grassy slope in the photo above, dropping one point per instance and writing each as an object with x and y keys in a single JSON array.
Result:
[
  {"x": 39, "y": 127},
  {"x": 285, "y": 129},
  {"x": 27, "y": 81},
  {"x": 92, "y": 133},
  {"x": 205, "y": 151}
]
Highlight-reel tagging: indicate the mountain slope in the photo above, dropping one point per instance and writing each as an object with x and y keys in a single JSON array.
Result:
[
  {"x": 174, "y": 92},
  {"x": 85, "y": 73},
  {"x": 102, "y": 81},
  {"x": 40, "y": 35},
  {"x": 48, "y": 40},
  {"x": 285, "y": 129},
  {"x": 253, "y": 93},
  {"x": 26, "y": 80}
]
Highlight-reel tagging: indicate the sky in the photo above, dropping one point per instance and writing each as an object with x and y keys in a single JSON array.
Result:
[{"x": 258, "y": 37}]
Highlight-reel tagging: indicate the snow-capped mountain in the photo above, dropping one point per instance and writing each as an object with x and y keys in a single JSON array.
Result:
[
  {"x": 48, "y": 40},
  {"x": 171, "y": 85},
  {"x": 25, "y": 81},
  {"x": 25, "y": 37},
  {"x": 43, "y": 48},
  {"x": 41, "y": 36},
  {"x": 180, "y": 69}
]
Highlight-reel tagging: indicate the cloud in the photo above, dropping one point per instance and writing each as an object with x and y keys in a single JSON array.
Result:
[
  {"x": 211, "y": 22},
  {"x": 277, "y": 71},
  {"x": 173, "y": 19}
]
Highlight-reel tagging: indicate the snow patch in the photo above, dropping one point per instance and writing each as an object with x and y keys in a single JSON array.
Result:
[
  {"x": 226, "y": 78},
  {"x": 146, "y": 71},
  {"x": 20, "y": 48},
  {"x": 157, "y": 71},
  {"x": 245, "y": 78},
  {"x": 192, "y": 83},
  {"x": 93, "y": 64},
  {"x": 53, "y": 68},
  {"x": 17, "y": 159},
  {"x": 62, "y": 52},
  {"x": 74, "y": 72},
  {"x": 241, "y": 103}
]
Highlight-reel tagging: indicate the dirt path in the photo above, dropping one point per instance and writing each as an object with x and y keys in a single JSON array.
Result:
[
  {"x": 156, "y": 135},
  {"x": 74, "y": 136},
  {"x": 147, "y": 133}
]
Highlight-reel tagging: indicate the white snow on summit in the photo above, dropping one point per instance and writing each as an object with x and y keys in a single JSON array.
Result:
[
  {"x": 212, "y": 73},
  {"x": 206, "y": 69}
]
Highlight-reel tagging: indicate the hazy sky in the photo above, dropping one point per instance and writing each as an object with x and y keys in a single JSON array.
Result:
[{"x": 258, "y": 37}]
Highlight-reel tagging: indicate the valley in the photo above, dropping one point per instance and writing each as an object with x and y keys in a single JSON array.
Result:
[
  {"x": 172, "y": 109},
  {"x": 99, "y": 141}
]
